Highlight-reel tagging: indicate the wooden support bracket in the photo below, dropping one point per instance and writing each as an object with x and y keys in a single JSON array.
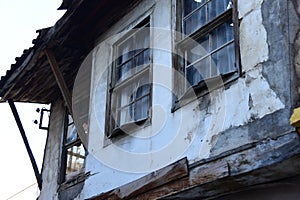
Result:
[
  {"x": 59, "y": 79},
  {"x": 22, "y": 131}
]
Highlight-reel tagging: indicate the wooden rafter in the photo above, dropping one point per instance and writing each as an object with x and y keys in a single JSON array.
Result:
[{"x": 59, "y": 79}]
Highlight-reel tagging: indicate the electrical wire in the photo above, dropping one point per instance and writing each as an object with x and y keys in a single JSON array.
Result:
[{"x": 16, "y": 194}]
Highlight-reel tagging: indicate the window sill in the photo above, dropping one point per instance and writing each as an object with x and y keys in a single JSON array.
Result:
[
  {"x": 74, "y": 178},
  {"x": 203, "y": 88},
  {"x": 130, "y": 127}
]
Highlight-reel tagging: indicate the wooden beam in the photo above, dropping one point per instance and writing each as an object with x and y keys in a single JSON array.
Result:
[
  {"x": 20, "y": 126},
  {"x": 153, "y": 180},
  {"x": 59, "y": 79},
  {"x": 264, "y": 161},
  {"x": 269, "y": 159}
]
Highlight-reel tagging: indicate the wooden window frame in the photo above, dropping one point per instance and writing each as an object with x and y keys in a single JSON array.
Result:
[
  {"x": 110, "y": 132},
  {"x": 184, "y": 95},
  {"x": 67, "y": 179}
]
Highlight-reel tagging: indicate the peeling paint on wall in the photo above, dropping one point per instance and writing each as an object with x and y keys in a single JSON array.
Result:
[
  {"x": 244, "y": 100},
  {"x": 245, "y": 7},
  {"x": 253, "y": 40}
]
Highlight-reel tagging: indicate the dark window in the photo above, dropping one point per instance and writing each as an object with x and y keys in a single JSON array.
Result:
[
  {"x": 207, "y": 47},
  {"x": 130, "y": 89},
  {"x": 73, "y": 153}
]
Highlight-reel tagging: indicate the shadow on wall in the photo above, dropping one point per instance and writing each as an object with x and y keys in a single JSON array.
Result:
[{"x": 288, "y": 189}]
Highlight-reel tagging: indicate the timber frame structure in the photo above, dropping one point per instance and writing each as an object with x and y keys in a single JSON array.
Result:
[{"x": 261, "y": 153}]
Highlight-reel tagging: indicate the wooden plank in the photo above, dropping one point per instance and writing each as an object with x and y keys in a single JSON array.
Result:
[
  {"x": 229, "y": 173},
  {"x": 59, "y": 79},
  {"x": 263, "y": 161},
  {"x": 153, "y": 180},
  {"x": 199, "y": 175},
  {"x": 208, "y": 173}
]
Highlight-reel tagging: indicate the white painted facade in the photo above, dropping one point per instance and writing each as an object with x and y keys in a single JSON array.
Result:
[
  {"x": 191, "y": 131},
  {"x": 188, "y": 122}
]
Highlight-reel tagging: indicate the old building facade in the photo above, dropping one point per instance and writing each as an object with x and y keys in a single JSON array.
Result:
[{"x": 167, "y": 99}]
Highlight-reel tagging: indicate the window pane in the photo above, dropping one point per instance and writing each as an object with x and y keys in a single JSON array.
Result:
[
  {"x": 141, "y": 109},
  {"x": 222, "y": 35},
  {"x": 190, "y": 5},
  {"x": 71, "y": 134},
  {"x": 198, "y": 49},
  {"x": 125, "y": 70},
  {"x": 75, "y": 158},
  {"x": 199, "y": 71},
  {"x": 193, "y": 76},
  {"x": 142, "y": 60},
  {"x": 142, "y": 39},
  {"x": 143, "y": 90},
  {"x": 204, "y": 68},
  {"x": 217, "y": 7},
  {"x": 195, "y": 21},
  {"x": 126, "y": 115},
  {"x": 126, "y": 50},
  {"x": 125, "y": 94},
  {"x": 224, "y": 59},
  {"x": 132, "y": 53},
  {"x": 130, "y": 96},
  {"x": 137, "y": 106}
]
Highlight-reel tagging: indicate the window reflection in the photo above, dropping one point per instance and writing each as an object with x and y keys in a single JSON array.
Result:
[
  {"x": 198, "y": 13},
  {"x": 73, "y": 153},
  {"x": 75, "y": 158}
]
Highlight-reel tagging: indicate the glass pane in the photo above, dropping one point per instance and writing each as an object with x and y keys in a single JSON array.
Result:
[
  {"x": 193, "y": 76},
  {"x": 143, "y": 90},
  {"x": 198, "y": 49},
  {"x": 125, "y": 95},
  {"x": 125, "y": 70},
  {"x": 75, "y": 158},
  {"x": 222, "y": 35},
  {"x": 199, "y": 71},
  {"x": 195, "y": 21},
  {"x": 71, "y": 134},
  {"x": 125, "y": 50},
  {"x": 204, "y": 68},
  {"x": 142, "y": 39},
  {"x": 141, "y": 109},
  {"x": 224, "y": 59},
  {"x": 126, "y": 115},
  {"x": 142, "y": 60},
  {"x": 190, "y": 5},
  {"x": 217, "y": 7}
]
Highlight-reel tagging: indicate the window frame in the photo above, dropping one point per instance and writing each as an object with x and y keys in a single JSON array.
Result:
[
  {"x": 72, "y": 176},
  {"x": 184, "y": 95},
  {"x": 112, "y": 84}
]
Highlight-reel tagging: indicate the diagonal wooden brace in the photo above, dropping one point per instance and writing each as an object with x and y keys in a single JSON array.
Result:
[{"x": 59, "y": 79}]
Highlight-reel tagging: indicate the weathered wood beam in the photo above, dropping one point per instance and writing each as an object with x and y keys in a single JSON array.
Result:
[
  {"x": 268, "y": 160},
  {"x": 261, "y": 162},
  {"x": 155, "y": 179},
  {"x": 59, "y": 79},
  {"x": 22, "y": 131}
]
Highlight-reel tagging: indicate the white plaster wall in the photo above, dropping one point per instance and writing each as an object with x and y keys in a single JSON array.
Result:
[
  {"x": 253, "y": 35},
  {"x": 190, "y": 131}
]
